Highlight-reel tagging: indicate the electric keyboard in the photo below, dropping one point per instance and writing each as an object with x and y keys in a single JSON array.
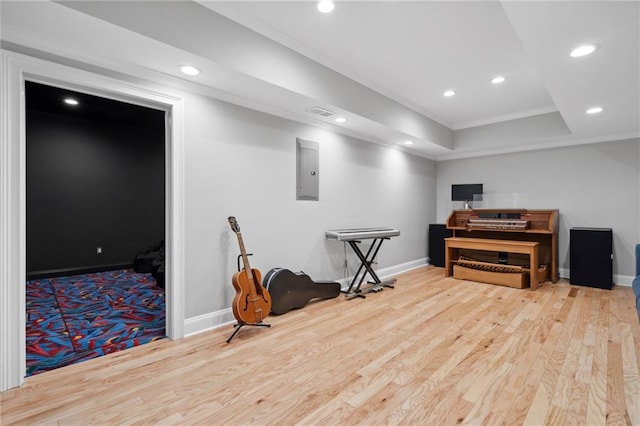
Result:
[{"x": 360, "y": 233}]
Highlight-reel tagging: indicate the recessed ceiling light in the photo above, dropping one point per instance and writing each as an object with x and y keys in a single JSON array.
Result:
[
  {"x": 408, "y": 142},
  {"x": 189, "y": 70},
  {"x": 71, "y": 101},
  {"x": 449, "y": 93},
  {"x": 583, "y": 50},
  {"x": 325, "y": 6},
  {"x": 341, "y": 120},
  {"x": 595, "y": 110},
  {"x": 497, "y": 79}
]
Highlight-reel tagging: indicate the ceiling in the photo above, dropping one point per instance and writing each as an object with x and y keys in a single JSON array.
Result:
[
  {"x": 413, "y": 52},
  {"x": 42, "y": 98},
  {"x": 383, "y": 65}
]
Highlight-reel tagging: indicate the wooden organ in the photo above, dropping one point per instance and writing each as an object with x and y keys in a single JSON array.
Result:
[{"x": 512, "y": 247}]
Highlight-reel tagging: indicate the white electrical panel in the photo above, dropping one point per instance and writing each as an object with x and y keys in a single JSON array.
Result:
[{"x": 307, "y": 176}]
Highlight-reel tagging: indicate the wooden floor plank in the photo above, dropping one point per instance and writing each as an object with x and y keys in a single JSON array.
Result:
[
  {"x": 543, "y": 398},
  {"x": 433, "y": 350},
  {"x": 631, "y": 375}
]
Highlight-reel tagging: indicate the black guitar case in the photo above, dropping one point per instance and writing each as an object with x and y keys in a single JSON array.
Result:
[{"x": 291, "y": 290}]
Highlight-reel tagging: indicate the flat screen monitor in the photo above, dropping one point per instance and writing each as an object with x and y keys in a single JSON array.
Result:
[{"x": 465, "y": 192}]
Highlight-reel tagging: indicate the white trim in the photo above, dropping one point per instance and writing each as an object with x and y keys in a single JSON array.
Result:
[
  {"x": 623, "y": 280},
  {"x": 563, "y": 273},
  {"x": 403, "y": 267},
  {"x": 12, "y": 236},
  {"x": 207, "y": 322},
  {"x": 5, "y": 238},
  {"x": 389, "y": 271},
  {"x": 15, "y": 69},
  {"x": 175, "y": 223}
]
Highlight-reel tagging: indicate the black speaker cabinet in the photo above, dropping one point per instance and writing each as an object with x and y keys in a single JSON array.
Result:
[
  {"x": 437, "y": 234},
  {"x": 591, "y": 257}
]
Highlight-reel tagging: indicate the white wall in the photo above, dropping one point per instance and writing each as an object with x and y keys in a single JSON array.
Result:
[
  {"x": 592, "y": 185},
  {"x": 242, "y": 163}
]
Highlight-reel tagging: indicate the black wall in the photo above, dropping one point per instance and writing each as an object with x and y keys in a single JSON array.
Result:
[{"x": 92, "y": 180}]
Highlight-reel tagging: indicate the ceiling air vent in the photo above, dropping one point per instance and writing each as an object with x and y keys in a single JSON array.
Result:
[{"x": 321, "y": 112}]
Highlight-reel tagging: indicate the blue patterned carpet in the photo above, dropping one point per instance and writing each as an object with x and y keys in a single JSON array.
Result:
[{"x": 72, "y": 319}]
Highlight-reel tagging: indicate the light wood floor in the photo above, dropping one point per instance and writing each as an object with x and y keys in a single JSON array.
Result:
[{"x": 433, "y": 350}]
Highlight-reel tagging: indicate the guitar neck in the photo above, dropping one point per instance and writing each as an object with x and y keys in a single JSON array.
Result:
[{"x": 245, "y": 258}]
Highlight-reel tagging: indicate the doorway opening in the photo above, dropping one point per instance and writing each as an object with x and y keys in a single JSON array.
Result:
[{"x": 95, "y": 226}]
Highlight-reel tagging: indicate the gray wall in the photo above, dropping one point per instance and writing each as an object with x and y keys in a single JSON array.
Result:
[
  {"x": 242, "y": 163},
  {"x": 593, "y": 185},
  {"x": 89, "y": 184}
]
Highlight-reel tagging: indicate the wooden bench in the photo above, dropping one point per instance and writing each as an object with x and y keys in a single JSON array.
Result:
[{"x": 453, "y": 244}]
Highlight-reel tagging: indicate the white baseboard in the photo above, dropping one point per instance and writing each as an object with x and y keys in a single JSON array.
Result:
[
  {"x": 212, "y": 320},
  {"x": 403, "y": 267},
  {"x": 390, "y": 271},
  {"x": 208, "y": 322},
  {"x": 621, "y": 280}
]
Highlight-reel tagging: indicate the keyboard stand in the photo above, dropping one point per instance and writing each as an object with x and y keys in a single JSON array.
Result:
[{"x": 366, "y": 261}]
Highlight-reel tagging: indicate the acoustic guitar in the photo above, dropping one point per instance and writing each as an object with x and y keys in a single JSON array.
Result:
[{"x": 252, "y": 301}]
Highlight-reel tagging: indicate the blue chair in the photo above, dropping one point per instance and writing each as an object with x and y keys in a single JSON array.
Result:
[{"x": 636, "y": 280}]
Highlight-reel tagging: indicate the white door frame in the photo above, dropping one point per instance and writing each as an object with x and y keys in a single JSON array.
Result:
[{"x": 15, "y": 69}]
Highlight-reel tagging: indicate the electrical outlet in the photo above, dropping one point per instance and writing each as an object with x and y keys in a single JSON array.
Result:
[{"x": 99, "y": 250}]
